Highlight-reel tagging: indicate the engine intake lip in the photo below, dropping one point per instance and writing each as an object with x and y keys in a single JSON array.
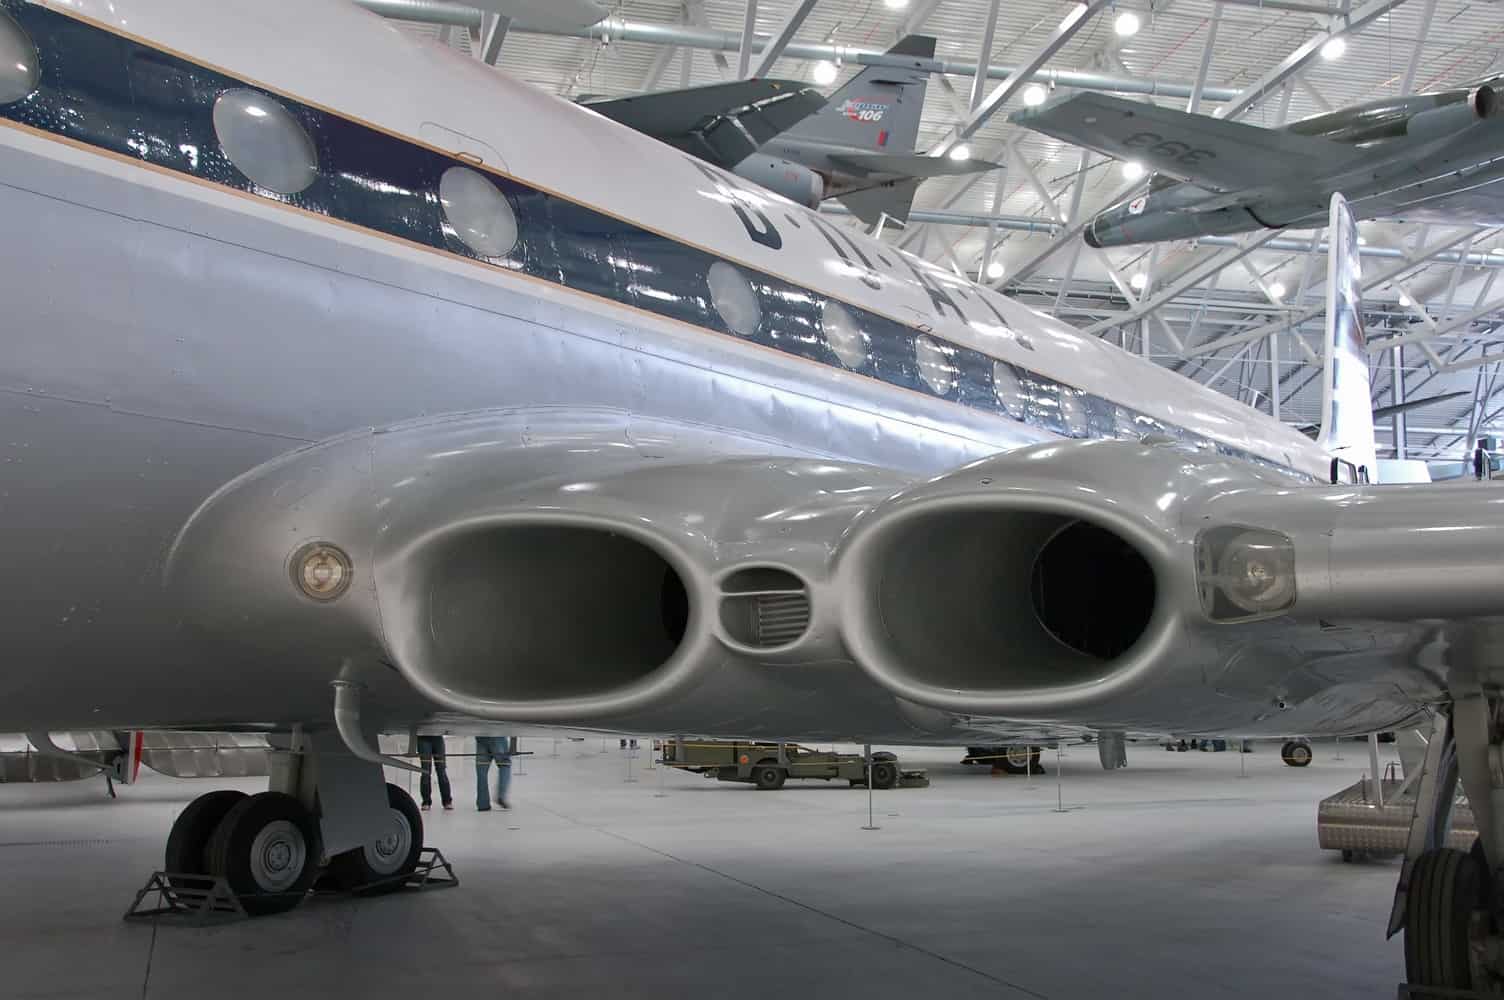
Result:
[
  {"x": 406, "y": 579},
  {"x": 874, "y": 550}
]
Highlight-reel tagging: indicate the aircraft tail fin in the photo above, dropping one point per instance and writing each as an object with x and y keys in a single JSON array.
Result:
[
  {"x": 1346, "y": 400},
  {"x": 879, "y": 108}
]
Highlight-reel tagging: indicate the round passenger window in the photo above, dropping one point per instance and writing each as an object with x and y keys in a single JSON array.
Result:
[
  {"x": 1010, "y": 390},
  {"x": 265, "y": 142},
  {"x": 845, "y": 338},
  {"x": 18, "y": 62},
  {"x": 732, "y": 295},
  {"x": 934, "y": 365},
  {"x": 478, "y": 212},
  {"x": 1073, "y": 413}
]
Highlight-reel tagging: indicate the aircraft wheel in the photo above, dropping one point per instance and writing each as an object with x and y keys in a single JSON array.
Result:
[
  {"x": 1296, "y": 753},
  {"x": 383, "y": 865},
  {"x": 769, "y": 778},
  {"x": 884, "y": 774},
  {"x": 1446, "y": 888},
  {"x": 267, "y": 849},
  {"x": 191, "y": 831}
]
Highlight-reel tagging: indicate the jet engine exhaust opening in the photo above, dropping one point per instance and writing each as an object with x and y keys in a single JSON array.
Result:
[
  {"x": 1092, "y": 591},
  {"x": 536, "y": 612},
  {"x": 988, "y": 600}
]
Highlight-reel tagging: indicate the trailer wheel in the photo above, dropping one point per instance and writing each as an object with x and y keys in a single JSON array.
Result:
[
  {"x": 769, "y": 779},
  {"x": 884, "y": 774},
  {"x": 1297, "y": 753}
]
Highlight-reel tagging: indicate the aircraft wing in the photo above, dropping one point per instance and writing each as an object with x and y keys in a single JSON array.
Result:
[
  {"x": 907, "y": 164},
  {"x": 1217, "y": 154},
  {"x": 764, "y": 108}
]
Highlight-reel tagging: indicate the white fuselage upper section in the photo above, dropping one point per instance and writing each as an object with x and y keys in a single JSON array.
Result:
[{"x": 435, "y": 96}]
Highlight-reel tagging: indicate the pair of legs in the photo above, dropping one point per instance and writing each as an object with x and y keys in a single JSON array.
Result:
[
  {"x": 487, "y": 749},
  {"x": 431, "y": 758}
]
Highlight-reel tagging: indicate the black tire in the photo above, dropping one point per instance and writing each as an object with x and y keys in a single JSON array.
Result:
[
  {"x": 190, "y": 833},
  {"x": 1446, "y": 887},
  {"x": 383, "y": 866},
  {"x": 1297, "y": 753},
  {"x": 884, "y": 774},
  {"x": 769, "y": 777},
  {"x": 267, "y": 875},
  {"x": 1018, "y": 760}
]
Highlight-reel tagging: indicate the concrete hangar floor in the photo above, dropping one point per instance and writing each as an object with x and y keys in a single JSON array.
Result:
[{"x": 1172, "y": 878}]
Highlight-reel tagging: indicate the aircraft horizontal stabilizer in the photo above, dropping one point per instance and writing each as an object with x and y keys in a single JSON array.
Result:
[
  {"x": 764, "y": 108},
  {"x": 893, "y": 199},
  {"x": 908, "y": 164},
  {"x": 1210, "y": 152}
]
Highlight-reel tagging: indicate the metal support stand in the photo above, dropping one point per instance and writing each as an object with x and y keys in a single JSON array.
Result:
[
  {"x": 627, "y": 754},
  {"x": 1338, "y": 741},
  {"x": 1373, "y": 770},
  {"x": 867, "y": 764},
  {"x": 556, "y": 748},
  {"x": 1242, "y": 765},
  {"x": 200, "y": 899}
]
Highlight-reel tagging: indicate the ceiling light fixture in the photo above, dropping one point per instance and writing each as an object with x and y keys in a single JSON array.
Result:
[
  {"x": 1334, "y": 48},
  {"x": 825, "y": 73},
  {"x": 960, "y": 152},
  {"x": 995, "y": 270},
  {"x": 1034, "y": 95},
  {"x": 1139, "y": 280},
  {"x": 1277, "y": 290},
  {"x": 1133, "y": 170},
  {"x": 1127, "y": 24}
]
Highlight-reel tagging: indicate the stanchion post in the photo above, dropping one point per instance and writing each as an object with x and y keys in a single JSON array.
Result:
[{"x": 867, "y": 763}]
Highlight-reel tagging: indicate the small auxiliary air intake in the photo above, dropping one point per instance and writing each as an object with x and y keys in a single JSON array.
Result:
[{"x": 764, "y": 607}]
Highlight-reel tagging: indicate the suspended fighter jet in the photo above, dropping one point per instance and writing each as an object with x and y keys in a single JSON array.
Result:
[
  {"x": 857, "y": 147},
  {"x": 1430, "y": 157},
  {"x": 342, "y": 395}
]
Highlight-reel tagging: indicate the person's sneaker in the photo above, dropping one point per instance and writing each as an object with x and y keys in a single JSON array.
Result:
[
  {"x": 426, "y": 806},
  {"x": 503, "y": 803},
  {"x": 484, "y": 809},
  {"x": 449, "y": 807}
]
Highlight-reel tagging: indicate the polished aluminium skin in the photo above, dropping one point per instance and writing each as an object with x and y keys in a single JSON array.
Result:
[
  {"x": 555, "y": 506},
  {"x": 1436, "y": 157}
]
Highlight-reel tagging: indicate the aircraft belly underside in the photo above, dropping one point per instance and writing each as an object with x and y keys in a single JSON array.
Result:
[{"x": 535, "y": 513}]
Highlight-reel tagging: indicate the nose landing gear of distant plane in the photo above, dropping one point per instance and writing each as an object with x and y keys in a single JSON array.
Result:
[
  {"x": 1450, "y": 903},
  {"x": 325, "y": 812}
]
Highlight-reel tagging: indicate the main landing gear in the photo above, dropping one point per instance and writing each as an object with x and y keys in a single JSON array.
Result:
[
  {"x": 1450, "y": 903},
  {"x": 326, "y": 814}
]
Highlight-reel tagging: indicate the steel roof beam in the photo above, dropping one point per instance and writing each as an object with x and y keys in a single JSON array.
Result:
[{"x": 620, "y": 29}]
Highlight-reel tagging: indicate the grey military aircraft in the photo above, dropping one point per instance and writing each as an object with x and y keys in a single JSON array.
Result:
[
  {"x": 1435, "y": 157},
  {"x": 343, "y": 395},
  {"x": 857, "y": 147}
]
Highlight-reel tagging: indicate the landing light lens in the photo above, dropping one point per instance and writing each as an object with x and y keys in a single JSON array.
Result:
[
  {"x": 321, "y": 571},
  {"x": 825, "y": 73},
  {"x": 1334, "y": 48},
  {"x": 1245, "y": 572}
]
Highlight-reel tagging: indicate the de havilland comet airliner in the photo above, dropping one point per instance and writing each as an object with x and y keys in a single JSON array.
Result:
[{"x": 345, "y": 392}]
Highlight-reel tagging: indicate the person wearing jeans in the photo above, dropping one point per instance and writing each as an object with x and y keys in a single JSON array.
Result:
[
  {"x": 487, "y": 749},
  {"x": 431, "y": 757}
]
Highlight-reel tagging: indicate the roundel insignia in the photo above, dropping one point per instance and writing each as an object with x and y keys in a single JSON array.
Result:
[{"x": 1136, "y": 206}]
